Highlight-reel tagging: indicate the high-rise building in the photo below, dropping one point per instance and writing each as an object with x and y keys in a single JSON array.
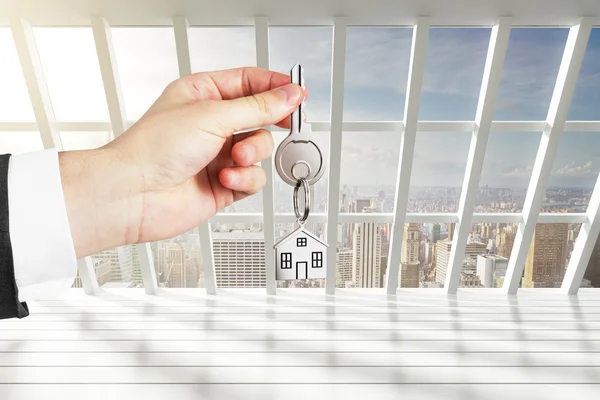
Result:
[
  {"x": 343, "y": 261},
  {"x": 442, "y": 254},
  {"x": 469, "y": 266},
  {"x": 121, "y": 266},
  {"x": 435, "y": 234},
  {"x": 367, "y": 255},
  {"x": 174, "y": 276},
  {"x": 409, "y": 257},
  {"x": 451, "y": 231},
  {"x": 363, "y": 205},
  {"x": 592, "y": 272},
  {"x": 505, "y": 241},
  {"x": 239, "y": 259},
  {"x": 135, "y": 263},
  {"x": 547, "y": 257},
  {"x": 491, "y": 267}
]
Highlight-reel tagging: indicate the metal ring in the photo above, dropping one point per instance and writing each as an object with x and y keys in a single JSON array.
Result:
[{"x": 304, "y": 183}]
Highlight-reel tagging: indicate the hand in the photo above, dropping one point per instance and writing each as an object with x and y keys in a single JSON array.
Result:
[{"x": 180, "y": 163}]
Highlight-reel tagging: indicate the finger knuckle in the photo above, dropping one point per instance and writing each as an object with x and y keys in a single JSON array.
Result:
[{"x": 259, "y": 103}]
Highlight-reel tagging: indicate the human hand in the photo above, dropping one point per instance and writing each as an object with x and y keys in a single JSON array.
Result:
[{"x": 180, "y": 163}]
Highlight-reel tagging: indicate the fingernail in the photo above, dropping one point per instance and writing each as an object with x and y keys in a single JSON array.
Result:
[{"x": 290, "y": 93}]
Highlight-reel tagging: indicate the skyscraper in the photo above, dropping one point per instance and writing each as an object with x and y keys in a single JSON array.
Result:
[
  {"x": 592, "y": 271},
  {"x": 491, "y": 269},
  {"x": 435, "y": 234},
  {"x": 469, "y": 266},
  {"x": 505, "y": 240},
  {"x": 239, "y": 259},
  {"x": 451, "y": 231},
  {"x": 442, "y": 253},
  {"x": 121, "y": 266},
  {"x": 174, "y": 276},
  {"x": 344, "y": 260},
  {"x": 367, "y": 255},
  {"x": 409, "y": 258},
  {"x": 547, "y": 257}
]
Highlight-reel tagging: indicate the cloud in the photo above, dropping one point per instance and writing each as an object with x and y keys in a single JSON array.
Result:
[
  {"x": 574, "y": 169},
  {"x": 518, "y": 173}
]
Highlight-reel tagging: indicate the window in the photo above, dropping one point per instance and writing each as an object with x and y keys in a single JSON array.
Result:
[
  {"x": 584, "y": 106},
  {"x": 368, "y": 172},
  {"x": 72, "y": 72},
  {"x": 530, "y": 69},
  {"x": 505, "y": 180},
  {"x": 15, "y": 104},
  {"x": 310, "y": 47},
  {"x": 574, "y": 174},
  {"x": 317, "y": 259},
  {"x": 376, "y": 69},
  {"x": 301, "y": 242},
  {"x": 286, "y": 260},
  {"x": 453, "y": 73},
  {"x": 438, "y": 171},
  {"x": 591, "y": 278},
  {"x": 549, "y": 255},
  {"x": 147, "y": 62}
]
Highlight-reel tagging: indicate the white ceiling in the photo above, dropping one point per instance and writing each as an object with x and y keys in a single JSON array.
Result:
[{"x": 300, "y": 12}]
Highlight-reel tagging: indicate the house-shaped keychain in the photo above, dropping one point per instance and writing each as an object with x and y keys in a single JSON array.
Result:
[{"x": 300, "y": 255}]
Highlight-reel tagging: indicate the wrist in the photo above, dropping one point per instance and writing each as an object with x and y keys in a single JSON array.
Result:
[{"x": 102, "y": 199}]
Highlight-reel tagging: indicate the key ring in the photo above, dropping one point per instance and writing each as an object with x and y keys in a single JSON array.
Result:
[{"x": 302, "y": 218}]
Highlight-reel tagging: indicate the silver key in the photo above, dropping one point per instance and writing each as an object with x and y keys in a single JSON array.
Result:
[{"x": 298, "y": 156}]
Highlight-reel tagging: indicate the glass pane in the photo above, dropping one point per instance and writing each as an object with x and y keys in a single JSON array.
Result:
[
  {"x": 178, "y": 261},
  {"x": 575, "y": 171},
  {"x": 214, "y": 49},
  {"x": 438, "y": 171},
  {"x": 418, "y": 254},
  {"x": 147, "y": 63},
  {"x": 20, "y": 142},
  {"x": 15, "y": 104},
  {"x": 310, "y": 47},
  {"x": 591, "y": 278},
  {"x": 504, "y": 180},
  {"x": 530, "y": 70},
  {"x": 118, "y": 268},
  {"x": 361, "y": 259},
  {"x": 587, "y": 93},
  {"x": 318, "y": 191},
  {"x": 453, "y": 73},
  {"x": 377, "y": 62},
  {"x": 84, "y": 140},
  {"x": 369, "y": 171},
  {"x": 549, "y": 255},
  {"x": 72, "y": 73},
  {"x": 239, "y": 251}
]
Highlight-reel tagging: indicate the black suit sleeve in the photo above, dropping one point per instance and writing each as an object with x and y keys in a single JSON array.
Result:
[{"x": 10, "y": 306}]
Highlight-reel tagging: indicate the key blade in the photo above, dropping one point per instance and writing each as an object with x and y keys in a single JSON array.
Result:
[{"x": 297, "y": 77}]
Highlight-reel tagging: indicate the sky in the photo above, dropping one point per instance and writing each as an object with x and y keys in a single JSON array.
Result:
[{"x": 377, "y": 61}]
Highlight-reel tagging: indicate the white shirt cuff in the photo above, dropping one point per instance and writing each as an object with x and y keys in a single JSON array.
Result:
[{"x": 43, "y": 251}]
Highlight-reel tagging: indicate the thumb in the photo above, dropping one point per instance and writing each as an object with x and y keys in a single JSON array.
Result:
[{"x": 257, "y": 110}]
